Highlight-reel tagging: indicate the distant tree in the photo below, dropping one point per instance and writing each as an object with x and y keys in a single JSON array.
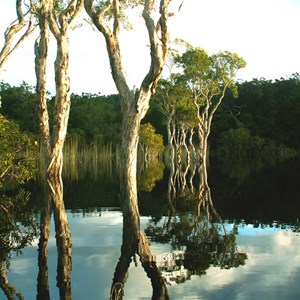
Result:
[
  {"x": 268, "y": 110},
  {"x": 95, "y": 118},
  {"x": 173, "y": 101},
  {"x": 208, "y": 78},
  {"x": 151, "y": 143}
]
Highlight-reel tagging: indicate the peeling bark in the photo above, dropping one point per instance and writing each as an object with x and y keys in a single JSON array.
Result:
[
  {"x": 59, "y": 26},
  {"x": 134, "y": 103},
  {"x": 41, "y": 53}
]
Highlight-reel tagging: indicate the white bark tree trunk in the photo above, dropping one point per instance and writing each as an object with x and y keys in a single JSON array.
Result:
[
  {"x": 134, "y": 103},
  {"x": 59, "y": 27},
  {"x": 41, "y": 52}
]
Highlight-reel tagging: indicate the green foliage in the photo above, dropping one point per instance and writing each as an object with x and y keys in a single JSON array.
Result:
[
  {"x": 17, "y": 153},
  {"x": 209, "y": 75},
  {"x": 17, "y": 165},
  {"x": 268, "y": 110},
  {"x": 239, "y": 143},
  {"x": 95, "y": 118},
  {"x": 151, "y": 142},
  {"x": 20, "y": 104}
]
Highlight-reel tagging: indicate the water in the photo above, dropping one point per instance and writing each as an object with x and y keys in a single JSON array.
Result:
[
  {"x": 258, "y": 258},
  {"x": 271, "y": 270}
]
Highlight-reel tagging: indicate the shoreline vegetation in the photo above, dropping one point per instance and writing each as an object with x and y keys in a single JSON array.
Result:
[{"x": 260, "y": 125}]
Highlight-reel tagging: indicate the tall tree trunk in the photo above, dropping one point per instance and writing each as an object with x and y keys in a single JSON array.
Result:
[
  {"x": 62, "y": 106},
  {"x": 59, "y": 26},
  {"x": 128, "y": 167},
  {"x": 134, "y": 103},
  {"x": 203, "y": 147},
  {"x": 41, "y": 53}
]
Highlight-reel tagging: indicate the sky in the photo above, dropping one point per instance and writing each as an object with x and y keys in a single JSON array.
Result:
[{"x": 264, "y": 32}]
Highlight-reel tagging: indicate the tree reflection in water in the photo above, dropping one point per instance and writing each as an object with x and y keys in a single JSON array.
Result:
[
  {"x": 18, "y": 228},
  {"x": 135, "y": 242},
  {"x": 43, "y": 275},
  {"x": 63, "y": 243},
  {"x": 194, "y": 228}
]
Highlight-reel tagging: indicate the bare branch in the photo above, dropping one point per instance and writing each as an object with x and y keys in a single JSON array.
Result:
[{"x": 13, "y": 29}]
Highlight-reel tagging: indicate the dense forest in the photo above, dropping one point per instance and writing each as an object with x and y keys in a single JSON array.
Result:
[{"x": 261, "y": 121}]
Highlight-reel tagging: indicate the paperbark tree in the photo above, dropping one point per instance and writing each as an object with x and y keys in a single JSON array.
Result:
[
  {"x": 59, "y": 24},
  {"x": 41, "y": 53},
  {"x": 208, "y": 78},
  {"x": 11, "y": 41},
  {"x": 173, "y": 101},
  {"x": 134, "y": 103}
]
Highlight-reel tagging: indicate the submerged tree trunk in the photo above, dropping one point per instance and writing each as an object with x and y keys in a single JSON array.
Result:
[{"x": 10, "y": 291}]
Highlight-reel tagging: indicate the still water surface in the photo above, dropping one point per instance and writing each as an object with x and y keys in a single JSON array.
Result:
[
  {"x": 258, "y": 210},
  {"x": 271, "y": 271}
]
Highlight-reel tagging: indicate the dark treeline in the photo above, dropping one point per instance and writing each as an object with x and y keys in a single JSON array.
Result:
[
  {"x": 267, "y": 112},
  {"x": 264, "y": 117}
]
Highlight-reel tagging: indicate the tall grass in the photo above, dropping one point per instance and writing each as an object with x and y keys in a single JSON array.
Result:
[
  {"x": 82, "y": 159},
  {"x": 88, "y": 159}
]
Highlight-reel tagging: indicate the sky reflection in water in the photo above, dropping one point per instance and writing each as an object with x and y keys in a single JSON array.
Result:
[{"x": 272, "y": 270}]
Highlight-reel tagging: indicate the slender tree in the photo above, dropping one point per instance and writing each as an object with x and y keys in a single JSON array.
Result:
[
  {"x": 134, "y": 103},
  {"x": 41, "y": 53},
  {"x": 60, "y": 21},
  {"x": 208, "y": 78}
]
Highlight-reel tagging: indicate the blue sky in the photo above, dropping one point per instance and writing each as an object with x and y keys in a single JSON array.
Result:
[{"x": 264, "y": 32}]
